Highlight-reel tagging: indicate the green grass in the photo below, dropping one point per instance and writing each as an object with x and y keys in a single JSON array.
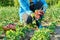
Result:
[
  {"x": 10, "y": 15},
  {"x": 52, "y": 15}
]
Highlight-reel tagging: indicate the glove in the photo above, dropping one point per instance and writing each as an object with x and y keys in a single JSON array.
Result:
[{"x": 38, "y": 13}]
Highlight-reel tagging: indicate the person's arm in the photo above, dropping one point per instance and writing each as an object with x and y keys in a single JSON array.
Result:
[
  {"x": 45, "y": 6},
  {"x": 25, "y": 5}
]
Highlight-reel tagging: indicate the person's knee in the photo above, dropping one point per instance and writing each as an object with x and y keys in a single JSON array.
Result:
[{"x": 29, "y": 20}]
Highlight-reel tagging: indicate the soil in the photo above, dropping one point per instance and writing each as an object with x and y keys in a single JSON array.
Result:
[{"x": 56, "y": 36}]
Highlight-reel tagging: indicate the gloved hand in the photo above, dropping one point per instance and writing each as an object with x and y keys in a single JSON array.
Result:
[
  {"x": 38, "y": 13},
  {"x": 41, "y": 12}
]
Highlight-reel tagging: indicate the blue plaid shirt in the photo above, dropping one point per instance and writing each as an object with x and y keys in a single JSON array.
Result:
[{"x": 24, "y": 7}]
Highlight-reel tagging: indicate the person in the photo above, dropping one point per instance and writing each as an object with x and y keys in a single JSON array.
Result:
[{"x": 25, "y": 7}]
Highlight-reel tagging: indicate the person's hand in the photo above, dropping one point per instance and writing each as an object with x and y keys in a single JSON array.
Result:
[
  {"x": 37, "y": 16},
  {"x": 38, "y": 13}
]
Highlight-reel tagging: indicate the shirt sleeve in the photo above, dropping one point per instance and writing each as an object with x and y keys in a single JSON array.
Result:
[{"x": 24, "y": 4}]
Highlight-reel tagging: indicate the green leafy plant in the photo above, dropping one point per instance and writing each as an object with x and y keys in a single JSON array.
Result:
[
  {"x": 52, "y": 27},
  {"x": 14, "y": 35},
  {"x": 17, "y": 34},
  {"x": 41, "y": 34}
]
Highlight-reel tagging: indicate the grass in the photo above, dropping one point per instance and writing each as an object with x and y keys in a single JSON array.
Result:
[
  {"x": 52, "y": 15},
  {"x": 10, "y": 15}
]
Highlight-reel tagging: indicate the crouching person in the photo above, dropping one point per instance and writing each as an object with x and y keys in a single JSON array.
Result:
[{"x": 28, "y": 7}]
